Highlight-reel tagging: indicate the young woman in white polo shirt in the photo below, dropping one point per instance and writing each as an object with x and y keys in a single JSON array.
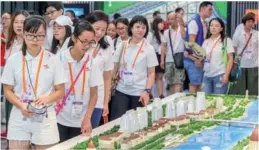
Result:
[
  {"x": 80, "y": 99},
  {"x": 62, "y": 31},
  {"x": 33, "y": 80},
  {"x": 216, "y": 69},
  {"x": 15, "y": 37},
  {"x": 102, "y": 56},
  {"x": 158, "y": 41},
  {"x": 122, "y": 25},
  {"x": 136, "y": 69}
]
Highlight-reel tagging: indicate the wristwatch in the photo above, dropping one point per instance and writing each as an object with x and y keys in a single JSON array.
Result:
[{"x": 148, "y": 91}]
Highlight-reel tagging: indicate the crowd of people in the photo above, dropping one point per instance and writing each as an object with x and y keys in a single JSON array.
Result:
[{"x": 63, "y": 77}]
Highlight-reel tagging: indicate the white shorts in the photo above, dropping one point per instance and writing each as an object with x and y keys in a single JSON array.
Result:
[{"x": 44, "y": 133}]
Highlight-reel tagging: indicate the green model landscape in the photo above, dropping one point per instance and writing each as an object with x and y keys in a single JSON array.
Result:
[{"x": 185, "y": 130}]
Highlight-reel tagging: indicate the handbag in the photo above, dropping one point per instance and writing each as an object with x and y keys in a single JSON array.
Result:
[
  {"x": 235, "y": 72},
  {"x": 178, "y": 57},
  {"x": 116, "y": 76}
]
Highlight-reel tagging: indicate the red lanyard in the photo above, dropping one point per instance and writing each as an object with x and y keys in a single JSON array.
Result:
[
  {"x": 37, "y": 73},
  {"x": 95, "y": 51},
  {"x": 213, "y": 47},
  {"x": 250, "y": 42},
  {"x": 84, "y": 76},
  {"x": 136, "y": 57}
]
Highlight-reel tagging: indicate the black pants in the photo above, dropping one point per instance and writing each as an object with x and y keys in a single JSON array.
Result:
[
  {"x": 248, "y": 81},
  {"x": 121, "y": 103},
  {"x": 66, "y": 133}
]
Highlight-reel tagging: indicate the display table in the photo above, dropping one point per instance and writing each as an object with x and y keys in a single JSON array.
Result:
[{"x": 202, "y": 122}]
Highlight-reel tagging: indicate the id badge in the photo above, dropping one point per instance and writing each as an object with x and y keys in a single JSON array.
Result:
[
  {"x": 128, "y": 77},
  {"x": 248, "y": 53},
  {"x": 77, "y": 109},
  {"x": 26, "y": 97},
  {"x": 207, "y": 64}
]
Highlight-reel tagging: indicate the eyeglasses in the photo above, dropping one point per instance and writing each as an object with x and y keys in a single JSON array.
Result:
[
  {"x": 86, "y": 43},
  {"x": 50, "y": 13},
  {"x": 31, "y": 37}
]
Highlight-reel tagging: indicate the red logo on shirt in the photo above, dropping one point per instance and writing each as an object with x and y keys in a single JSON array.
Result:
[{"x": 46, "y": 66}]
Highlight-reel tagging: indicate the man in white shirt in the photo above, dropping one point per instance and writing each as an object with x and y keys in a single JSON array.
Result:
[
  {"x": 53, "y": 10},
  {"x": 196, "y": 32},
  {"x": 249, "y": 58},
  {"x": 175, "y": 43}
]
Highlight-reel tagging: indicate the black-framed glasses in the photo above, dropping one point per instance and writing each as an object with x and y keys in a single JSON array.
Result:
[
  {"x": 50, "y": 13},
  {"x": 86, "y": 43},
  {"x": 31, "y": 37}
]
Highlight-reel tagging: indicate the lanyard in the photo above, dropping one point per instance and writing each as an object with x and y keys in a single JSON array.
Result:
[
  {"x": 95, "y": 51},
  {"x": 175, "y": 36},
  {"x": 250, "y": 42},
  {"x": 84, "y": 76},
  {"x": 37, "y": 73},
  {"x": 136, "y": 57},
  {"x": 213, "y": 47}
]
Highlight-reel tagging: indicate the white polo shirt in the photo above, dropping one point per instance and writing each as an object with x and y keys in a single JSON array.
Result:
[
  {"x": 146, "y": 59},
  {"x": 216, "y": 65},
  {"x": 63, "y": 47},
  {"x": 103, "y": 60},
  {"x": 153, "y": 41},
  {"x": 177, "y": 43},
  {"x": 238, "y": 29},
  {"x": 193, "y": 28},
  {"x": 15, "y": 47},
  {"x": 250, "y": 55},
  {"x": 92, "y": 79},
  {"x": 51, "y": 73}
]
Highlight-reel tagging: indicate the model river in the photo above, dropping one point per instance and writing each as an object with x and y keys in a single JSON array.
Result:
[{"x": 224, "y": 136}]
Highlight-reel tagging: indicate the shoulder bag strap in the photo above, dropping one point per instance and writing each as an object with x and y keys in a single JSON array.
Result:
[{"x": 245, "y": 45}]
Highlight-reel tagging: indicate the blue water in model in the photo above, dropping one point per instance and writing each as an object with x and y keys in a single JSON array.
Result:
[{"x": 223, "y": 137}]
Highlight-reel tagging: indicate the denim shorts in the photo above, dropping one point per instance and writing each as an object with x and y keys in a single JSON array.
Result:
[
  {"x": 195, "y": 74},
  {"x": 213, "y": 85}
]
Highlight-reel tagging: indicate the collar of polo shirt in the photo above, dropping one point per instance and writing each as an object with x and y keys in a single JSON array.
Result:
[
  {"x": 70, "y": 58},
  {"x": 29, "y": 57}
]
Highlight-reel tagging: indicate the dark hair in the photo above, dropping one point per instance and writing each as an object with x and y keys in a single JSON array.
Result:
[
  {"x": 116, "y": 16},
  {"x": 178, "y": 9},
  {"x": 32, "y": 12},
  {"x": 155, "y": 13},
  {"x": 95, "y": 16},
  {"x": 80, "y": 27},
  {"x": 156, "y": 30},
  {"x": 11, "y": 33},
  {"x": 222, "y": 33},
  {"x": 124, "y": 21},
  {"x": 56, "y": 5},
  {"x": 205, "y": 4},
  {"x": 72, "y": 12},
  {"x": 32, "y": 25},
  {"x": 247, "y": 17},
  {"x": 138, "y": 19},
  {"x": 55, "y": 42}
]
